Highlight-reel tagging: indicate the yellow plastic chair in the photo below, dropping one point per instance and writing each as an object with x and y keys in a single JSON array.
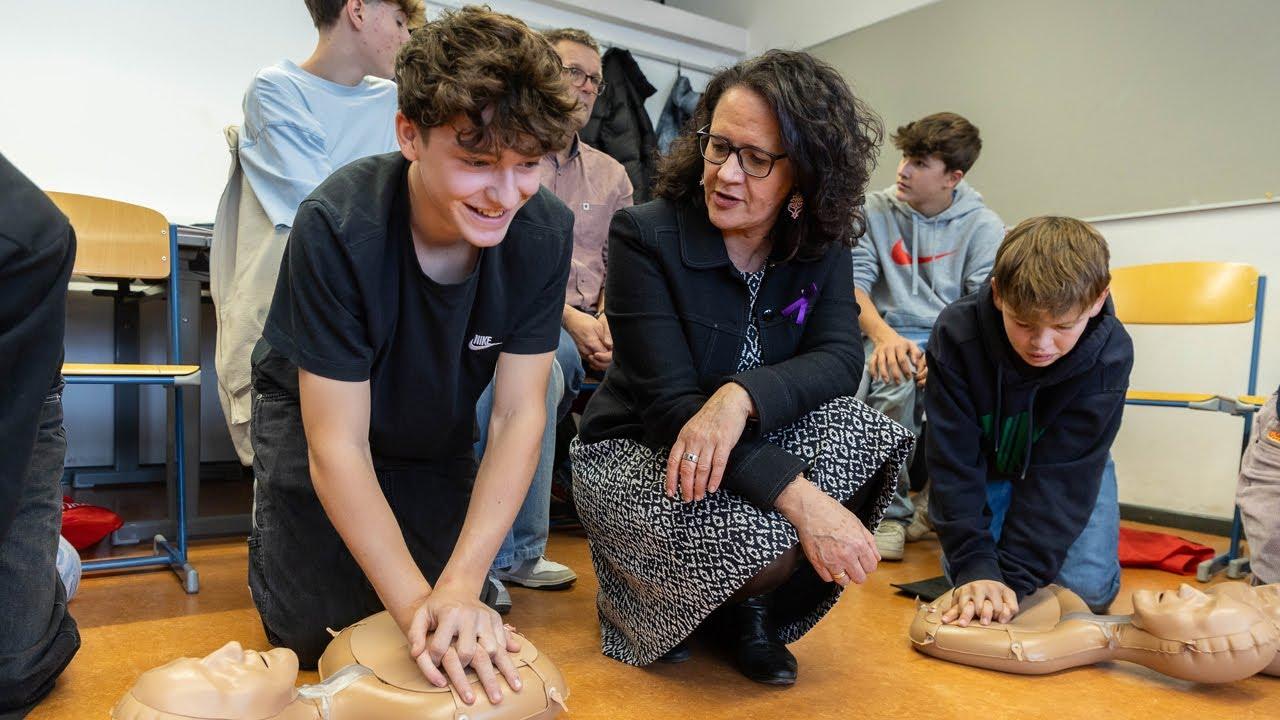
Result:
[
  {"x": 125, "y": 242},
  {"x": 1198, "y": 293}
]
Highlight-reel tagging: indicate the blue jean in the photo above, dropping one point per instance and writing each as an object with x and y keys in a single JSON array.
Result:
[
  {"x": 38, "y": 636},
  {"x": 1092, "y": 567},
  {"x": 527, "y": 538},
  {"x": 902, "y": 403}
]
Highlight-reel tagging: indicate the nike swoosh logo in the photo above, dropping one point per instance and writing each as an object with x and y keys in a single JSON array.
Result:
[
  {"x": 900, "y": 256},
  {"x": 479, "y": 343}
]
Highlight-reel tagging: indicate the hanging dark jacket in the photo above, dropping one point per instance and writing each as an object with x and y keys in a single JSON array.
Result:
[
  {"x": 619, "y": 124},
  {"x": 676, "y": 113},
  {"x": 1047, "y": 430}
]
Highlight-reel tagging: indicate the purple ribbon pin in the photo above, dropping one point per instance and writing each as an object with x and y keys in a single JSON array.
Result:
[{"x": 800, "y": 308}]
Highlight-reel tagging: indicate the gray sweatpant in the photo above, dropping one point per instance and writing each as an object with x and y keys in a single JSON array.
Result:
[{"x": 1258, "y": 494}]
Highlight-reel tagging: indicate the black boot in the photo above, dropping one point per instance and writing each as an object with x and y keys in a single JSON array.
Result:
[
  {"x": 677, "y": 654},
  {"x": 756, "y": 650}
]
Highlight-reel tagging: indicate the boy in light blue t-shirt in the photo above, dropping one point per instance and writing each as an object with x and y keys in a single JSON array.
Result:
[{"x": 301, "y": 122}]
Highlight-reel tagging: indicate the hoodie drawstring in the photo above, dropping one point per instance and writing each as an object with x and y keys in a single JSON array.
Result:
[
  {"x": 998, "y": 422},
  {"x": 999, "y": 405},
  {"x": 1031, "y": 430}
]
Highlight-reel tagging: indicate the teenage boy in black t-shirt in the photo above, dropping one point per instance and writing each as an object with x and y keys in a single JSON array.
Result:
[{"x": 408, "y": 278}]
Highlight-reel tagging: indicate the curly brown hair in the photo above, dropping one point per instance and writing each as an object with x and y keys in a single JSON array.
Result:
[
  {"x": 830, "y": 137},
  {"x": 492, "y": 69},
  {"x": 945, "y": 134}
]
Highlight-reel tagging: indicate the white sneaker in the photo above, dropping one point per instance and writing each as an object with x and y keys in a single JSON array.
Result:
[
  {"x": 538, "y": 573},
  {"x": 891, "y": 539},
  {"x": 920, "y": 525}
]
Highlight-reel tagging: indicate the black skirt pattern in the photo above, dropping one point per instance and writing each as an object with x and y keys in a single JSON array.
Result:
[{"x": 664, "y": 565}]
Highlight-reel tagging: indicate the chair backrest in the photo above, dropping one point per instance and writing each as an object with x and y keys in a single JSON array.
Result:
[
  {"x": 1185, "y": 293},
  {"x": 115, "y": 239}
]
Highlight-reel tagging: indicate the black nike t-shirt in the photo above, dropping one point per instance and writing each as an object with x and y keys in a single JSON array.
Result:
[{"x": 353, "y": 304}]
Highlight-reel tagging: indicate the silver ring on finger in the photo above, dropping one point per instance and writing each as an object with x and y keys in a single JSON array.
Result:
[{"x": 691, "y": 457}]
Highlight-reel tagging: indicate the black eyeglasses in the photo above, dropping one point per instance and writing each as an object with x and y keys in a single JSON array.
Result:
[
  {"x": 577, "y": 78},
  {"x": 753, "y": 161}
]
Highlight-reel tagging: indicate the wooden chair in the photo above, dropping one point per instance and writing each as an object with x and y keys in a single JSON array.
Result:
[
  {"x": 125, "y": 242},
  {"x": 1198, "y": 293}
]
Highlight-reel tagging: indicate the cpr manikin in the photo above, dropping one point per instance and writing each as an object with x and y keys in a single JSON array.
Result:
[
  {"x": 367, "y": 675},
  {"x": 1186, "y": 633},
  {"x": 1265, "y": 599}
]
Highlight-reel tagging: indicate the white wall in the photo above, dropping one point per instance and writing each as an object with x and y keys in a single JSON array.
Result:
[
  {"x": 797, "y": 24},
  {"x": 1183, "y": 460},
  {"x": 127, "y": 99}
]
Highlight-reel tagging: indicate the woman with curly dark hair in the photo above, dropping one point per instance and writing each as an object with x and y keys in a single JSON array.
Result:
[{"x": 723, "y": 469}]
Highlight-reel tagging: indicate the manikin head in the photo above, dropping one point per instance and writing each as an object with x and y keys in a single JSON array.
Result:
[
  {"x": 230, "y": 682},
  {"x": 370, "y": 32},
  {"x": 1188, "y": 614},
  {"x": 482, "y": 100},
  {"x": 1050, "y": 277}
]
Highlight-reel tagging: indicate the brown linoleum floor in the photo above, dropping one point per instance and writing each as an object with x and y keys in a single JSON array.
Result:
[{"x": 857, "y": 663}]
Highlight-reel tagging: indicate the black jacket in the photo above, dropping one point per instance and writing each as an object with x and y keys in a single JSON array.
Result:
[
  {"x": 1048, "y": 431},
  {"x": 678, "y": 313},
  {"x": 37, "y": 250},
  {"x": 619, "y": 124}
]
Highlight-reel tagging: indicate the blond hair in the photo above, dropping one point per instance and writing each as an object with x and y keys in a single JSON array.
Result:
[{"x": 1052, "y": 265}]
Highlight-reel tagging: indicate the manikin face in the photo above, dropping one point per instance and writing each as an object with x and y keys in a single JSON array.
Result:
[
  {"x": 458, "y": 194},
  {"x": 577, "y": 55},
  {"x": 924, "y": 182},
  {"x": 1189, "y": 614},
  {"x": 736, "y": 201},
  {"x": 230, "y": 682},
  {"x": 383, "y": 29},
  {"x": 1042, "y": 340}
]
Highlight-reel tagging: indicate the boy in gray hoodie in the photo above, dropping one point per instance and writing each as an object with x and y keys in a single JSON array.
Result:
[{"x": 930, "y": 241}]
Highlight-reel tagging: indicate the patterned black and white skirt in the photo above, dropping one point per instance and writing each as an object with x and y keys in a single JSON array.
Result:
[{"x": 664, "y": 565}]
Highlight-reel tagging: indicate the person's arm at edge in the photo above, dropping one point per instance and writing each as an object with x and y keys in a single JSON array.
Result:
[
  {"x": 335, "y": 417},
  {"x": 515, "y": 431},
  {"x": 958, "y": 475}
]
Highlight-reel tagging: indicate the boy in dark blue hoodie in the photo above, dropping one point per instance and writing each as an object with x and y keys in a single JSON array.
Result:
[{"x": 1027, "y": 379}]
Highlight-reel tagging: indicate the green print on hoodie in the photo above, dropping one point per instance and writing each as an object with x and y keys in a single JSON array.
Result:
[{"x": 1012, "y": 439}]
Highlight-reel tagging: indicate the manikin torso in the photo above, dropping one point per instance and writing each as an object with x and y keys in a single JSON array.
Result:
[
  {"x": 1186, "y": 633},
  {"x": 368, "y": 675}
]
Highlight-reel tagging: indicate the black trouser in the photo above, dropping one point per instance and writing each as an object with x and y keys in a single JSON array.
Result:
[
  {"x": 37, "y": 635},
  {"x": 302, "y": 576}
]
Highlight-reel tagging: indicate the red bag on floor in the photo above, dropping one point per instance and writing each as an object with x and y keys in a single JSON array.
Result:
[
  {"x": 1146, "y": 549},
  {"x": 84, "y": 525}
]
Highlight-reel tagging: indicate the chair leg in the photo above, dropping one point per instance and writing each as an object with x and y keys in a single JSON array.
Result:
[
  {"x": 177, "y": 551},
  {"x": 1231, "y": 561}
]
